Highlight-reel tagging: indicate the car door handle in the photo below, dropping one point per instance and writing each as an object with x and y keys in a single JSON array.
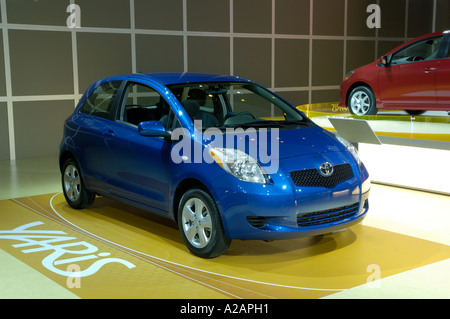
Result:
[
  {"x": 428, "y": 70},
  {"x": 108, "y": 134}
]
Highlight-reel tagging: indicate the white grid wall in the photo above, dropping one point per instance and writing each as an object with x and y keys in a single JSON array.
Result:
[{"x": 279, "y": 41}]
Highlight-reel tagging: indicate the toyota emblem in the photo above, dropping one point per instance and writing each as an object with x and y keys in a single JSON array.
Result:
[{"x": 326, "y": 169}]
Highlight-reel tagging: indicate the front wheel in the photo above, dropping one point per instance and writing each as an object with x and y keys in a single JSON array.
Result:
[
  {"x": 361, "y": 101},
  {"x": 200, "y": 225},
  {"x": 75, "y": 192}
]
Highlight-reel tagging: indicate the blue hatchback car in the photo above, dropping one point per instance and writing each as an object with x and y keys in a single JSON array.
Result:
[{"x": 222, "y": 156}]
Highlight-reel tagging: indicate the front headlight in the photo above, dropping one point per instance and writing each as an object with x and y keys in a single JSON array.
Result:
[
  {"x": 349, "y": 74},
  {"x": 350, "y": 147},
  {"x": 239, "y": 164}
]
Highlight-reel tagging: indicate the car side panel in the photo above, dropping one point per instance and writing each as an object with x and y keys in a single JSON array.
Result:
[
  {"x": 85, "y": 130},
  {"x": 443, "y": 84},
  {"x": 136, "y": 167},
  {"x": 409, "y": 84}
]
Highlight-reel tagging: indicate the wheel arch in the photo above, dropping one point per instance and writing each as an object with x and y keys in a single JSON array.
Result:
[
  {"x": 64, "y": 156},
  {"x": 86, "y": 197},
  {"x": 217, "y": 244},
  {"x": 183, "y": 187}
]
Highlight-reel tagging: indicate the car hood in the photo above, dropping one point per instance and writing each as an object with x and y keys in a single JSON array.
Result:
[{"x": 286, "y": 142}]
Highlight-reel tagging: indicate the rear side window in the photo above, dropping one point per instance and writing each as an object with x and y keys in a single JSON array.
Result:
[{"x": 100, "y": 102}]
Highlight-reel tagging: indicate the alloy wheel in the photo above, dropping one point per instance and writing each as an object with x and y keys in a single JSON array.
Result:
[
  {"x": 360, "y": 103},
  {"x": 72, "y": 183},
  {"x": 197, "y": 223}
]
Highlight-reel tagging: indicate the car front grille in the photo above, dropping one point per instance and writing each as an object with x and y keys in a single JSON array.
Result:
[
  {"x": 312, "y": 178},
  {"x": 327, "y": 216}
]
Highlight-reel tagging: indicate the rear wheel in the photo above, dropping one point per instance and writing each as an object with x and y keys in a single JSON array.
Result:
[
  {"x": 75, "y": 192},
  {"x": 200, "y": 225},
  {"x": 361, "y": 101}
]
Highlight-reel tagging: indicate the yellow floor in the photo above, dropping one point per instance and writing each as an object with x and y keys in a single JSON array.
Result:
[{"x": 401, "y": 250}]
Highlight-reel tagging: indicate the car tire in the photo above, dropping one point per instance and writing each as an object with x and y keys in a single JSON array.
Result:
[
  {"x": 361, "y": 101},
  {"x": 75, "y": 192},
  {"x": 200, "y": 224}
]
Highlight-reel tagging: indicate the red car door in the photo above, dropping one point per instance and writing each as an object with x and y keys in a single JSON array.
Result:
[
  {"x": 409, "y": 81},
  {"x": 411, "y": 84}
]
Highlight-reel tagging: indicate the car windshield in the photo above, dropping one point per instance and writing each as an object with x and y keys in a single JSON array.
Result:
[{"x": 226, "y": 104}]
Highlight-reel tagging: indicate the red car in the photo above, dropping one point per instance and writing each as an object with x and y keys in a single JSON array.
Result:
[{"x": 414, "y": 77}]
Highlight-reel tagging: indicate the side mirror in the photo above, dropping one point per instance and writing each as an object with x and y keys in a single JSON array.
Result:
[
  {"x": 385, "y": 60},
  {"x": 152, "y": 128}
]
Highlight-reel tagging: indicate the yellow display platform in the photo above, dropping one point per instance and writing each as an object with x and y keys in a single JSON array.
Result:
[
  {"x": 123, "y": 252},
  {"x": 390, "y": 123}
]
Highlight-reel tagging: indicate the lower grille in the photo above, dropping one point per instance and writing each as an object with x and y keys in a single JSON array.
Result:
[
  {"x": 327, "y": 216},
  {"x": 256, "y": 221},
  {"x": 312, "y": 178}
]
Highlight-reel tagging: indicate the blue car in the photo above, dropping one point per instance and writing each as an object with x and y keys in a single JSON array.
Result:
[{"x": 223, "y": 157}]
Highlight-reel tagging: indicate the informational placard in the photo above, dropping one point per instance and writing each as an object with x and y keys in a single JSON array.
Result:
[{"x": 355, "y": 131}]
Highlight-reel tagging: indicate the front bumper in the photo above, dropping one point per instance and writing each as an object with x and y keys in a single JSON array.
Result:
[
  {"x": 282, "y": 210},
  {"x": 343, "y": 90}
]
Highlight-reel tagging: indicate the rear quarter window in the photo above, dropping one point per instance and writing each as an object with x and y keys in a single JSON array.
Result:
[{"x": 100, "y": 102}]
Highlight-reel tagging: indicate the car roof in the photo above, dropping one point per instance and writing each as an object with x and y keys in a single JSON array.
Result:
[
  {"x": 189, "y": 77},
  {"x": 169, "y": 78},
  {"x": 431, "y": 35}
]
